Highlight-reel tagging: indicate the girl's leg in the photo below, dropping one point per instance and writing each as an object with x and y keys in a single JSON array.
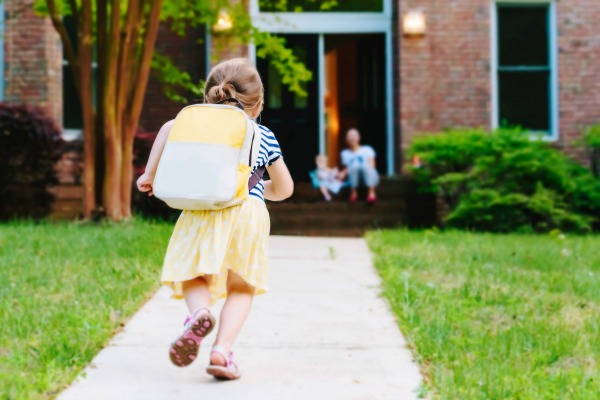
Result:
[
  {"x": 233, "y": 315},
  {"x": 325, "y": 192},
  {"x": 184, "y": 350},
  {"x": 371, "y": 177},
  {"x": 196, "y": 293},
  {"x": 354, "y": 178}
]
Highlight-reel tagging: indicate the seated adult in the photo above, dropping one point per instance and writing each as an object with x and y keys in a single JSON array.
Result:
[{"x": 359, "y": 166}]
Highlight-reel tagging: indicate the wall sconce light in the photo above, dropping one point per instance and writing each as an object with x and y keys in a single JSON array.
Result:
[
  {"x": 413, "y": 23},
  {"x": 224, "y": 22}
]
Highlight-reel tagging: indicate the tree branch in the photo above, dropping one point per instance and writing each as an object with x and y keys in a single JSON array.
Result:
[
  {"x": 146, "y": 60},
  {"x": 127, "y": 50}
]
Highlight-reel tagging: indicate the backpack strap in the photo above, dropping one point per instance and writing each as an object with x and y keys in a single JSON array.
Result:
[
  {"x": 256, "y": 177},
  {"x": 260, "y": 171}
]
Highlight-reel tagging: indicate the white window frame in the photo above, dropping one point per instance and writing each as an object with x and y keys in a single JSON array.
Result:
[
  {"x": 2, "y": 51},
  {"x": 322, "y": 23},
  {"x": 554, "y": 133}
]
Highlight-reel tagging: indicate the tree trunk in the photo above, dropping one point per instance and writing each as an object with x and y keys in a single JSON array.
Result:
[
  {"x": 127, "y": 169},
  {"x": 112, "y": 177},
  {"x": 124, "y": 60},
  {"x": 85, "y": 54}
]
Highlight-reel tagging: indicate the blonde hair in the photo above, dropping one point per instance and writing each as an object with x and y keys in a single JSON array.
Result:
[{"x": 236, "y": 78}]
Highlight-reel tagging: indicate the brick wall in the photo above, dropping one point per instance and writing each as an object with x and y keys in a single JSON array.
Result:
[
  {"x": 578, "y": 70},
  {"x": 33, "y": 60},
  {"x": 445, "y": 76},
  {"x": 188, "y": 54},
  {"x": 224, "y": 47}
]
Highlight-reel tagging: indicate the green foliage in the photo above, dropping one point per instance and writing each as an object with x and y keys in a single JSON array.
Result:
[
  {"x": 592, "y": 137},
  {"x": 176, "y": 82},
  {"x": 321, "y": 5},
  {"x": 30, "y": 145},
  {"x": 196, "y": 13},
  {"x": 182, "y": 15},
  {"x": 492, "y": 317},
  {"x": 592, "y": 142},
  {"x": 506, "y": 181}
]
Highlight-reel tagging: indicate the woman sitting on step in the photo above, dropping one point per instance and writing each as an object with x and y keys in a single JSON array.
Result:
[{"x": 359, "y": 165}]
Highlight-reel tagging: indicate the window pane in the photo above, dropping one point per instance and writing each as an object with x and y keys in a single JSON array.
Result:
[
  {"x": 523, "y": 35},
  {"x": 72, "y": 116},
  {"x": 320, "y": 5},
  {"x": 524, "y": 100}
]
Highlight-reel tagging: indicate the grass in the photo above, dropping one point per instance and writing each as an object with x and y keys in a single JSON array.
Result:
[
  {"x": 65, "y": 289},
  {"x": 497, "y": 316}
]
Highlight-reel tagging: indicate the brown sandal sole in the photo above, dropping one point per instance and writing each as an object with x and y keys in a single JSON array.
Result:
[
  {"x": 222, "y": 373},
  {"x": 185, "y": 349}
]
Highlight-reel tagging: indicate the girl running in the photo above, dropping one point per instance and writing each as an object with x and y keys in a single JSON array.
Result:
[{"x": 223, "y": 253}]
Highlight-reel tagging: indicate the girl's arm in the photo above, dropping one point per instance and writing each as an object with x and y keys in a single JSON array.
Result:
[
  {"x": 145, "y": 182},
  {"x": 281, "y": 185}
]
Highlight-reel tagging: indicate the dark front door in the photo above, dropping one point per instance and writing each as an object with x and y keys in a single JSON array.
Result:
[
  {"x": 293, "y": 118},
  {"x": 356, "y": 90}
]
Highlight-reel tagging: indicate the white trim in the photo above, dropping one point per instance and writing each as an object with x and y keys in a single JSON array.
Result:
[
  {"x": 322, "y": 22},
  {"x": 70, "y": 134},
  {"x": 553, "y": 53},
  {"x": 2, "y": 51},
  {"x": 495, "y": 110},
  {"x": 389, "y": 99},
  {"x": 207, "y": 49},
  {"x": 554, "y": 92},
  {"x": 322, "y": 88},
  {"x": 252, "y": 53}
]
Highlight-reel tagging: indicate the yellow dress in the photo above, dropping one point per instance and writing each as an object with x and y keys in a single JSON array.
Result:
[{"x": 213, "y": 242}]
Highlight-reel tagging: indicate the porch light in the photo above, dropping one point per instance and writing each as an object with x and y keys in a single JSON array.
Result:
[
  {"x": 224, "y": 22},
  {"x": 414, "y": 23}
]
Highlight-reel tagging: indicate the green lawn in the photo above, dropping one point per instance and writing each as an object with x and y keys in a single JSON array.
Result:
[
  {"x": 497, "y": 317},
  {"x": 65, "y": 289}
]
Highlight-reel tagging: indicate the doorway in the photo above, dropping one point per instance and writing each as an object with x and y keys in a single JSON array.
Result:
[
  {"x": 355, "y": 93},
  {"x": 293, "y": 118},
  {"x": 348, "y": 90}
]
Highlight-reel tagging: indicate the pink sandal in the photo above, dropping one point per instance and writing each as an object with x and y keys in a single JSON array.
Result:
[
  {"x": 185, "y": 349},
  {"x": 224, "y": 373}
]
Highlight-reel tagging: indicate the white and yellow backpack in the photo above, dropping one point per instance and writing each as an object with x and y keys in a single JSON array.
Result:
[{"x": 208, "y": 157}]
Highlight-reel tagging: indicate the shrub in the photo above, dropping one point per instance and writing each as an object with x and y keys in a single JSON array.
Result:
[
  {"x": 506, "y": 181},
  {"x": 30, "y": 145},
  {"x": 592, "y": 142}
]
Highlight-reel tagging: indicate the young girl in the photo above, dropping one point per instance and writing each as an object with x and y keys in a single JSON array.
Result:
[{"x": 223, "y": 253}]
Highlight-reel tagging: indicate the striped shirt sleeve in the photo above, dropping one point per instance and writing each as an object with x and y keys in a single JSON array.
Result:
[{"x": 271, "y": 146}]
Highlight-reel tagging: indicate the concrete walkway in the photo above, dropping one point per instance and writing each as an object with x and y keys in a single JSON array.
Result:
[{"x": 322, "y": 332}]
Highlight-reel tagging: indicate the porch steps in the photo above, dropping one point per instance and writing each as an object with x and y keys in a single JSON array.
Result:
[{"x": 307, "y": 214}]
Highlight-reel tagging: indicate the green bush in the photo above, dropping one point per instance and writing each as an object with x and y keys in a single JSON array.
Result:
[
  {"x": 592, "y": 142},
  {"x": 506, "y": 181}
]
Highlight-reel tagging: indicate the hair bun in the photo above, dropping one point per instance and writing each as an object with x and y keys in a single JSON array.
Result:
[{"x": 220, "y": 92}]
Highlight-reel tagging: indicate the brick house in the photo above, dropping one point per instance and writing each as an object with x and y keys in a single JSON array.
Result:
[{"x": 478, "y": 63}]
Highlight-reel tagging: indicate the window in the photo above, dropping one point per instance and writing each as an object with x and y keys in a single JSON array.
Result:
[
  {"x": 524, "y": 74},
  {"x": 317, "y": 5}
]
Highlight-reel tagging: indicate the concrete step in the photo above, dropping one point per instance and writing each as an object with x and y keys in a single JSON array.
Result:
[{"x": 361, "y": 222}]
